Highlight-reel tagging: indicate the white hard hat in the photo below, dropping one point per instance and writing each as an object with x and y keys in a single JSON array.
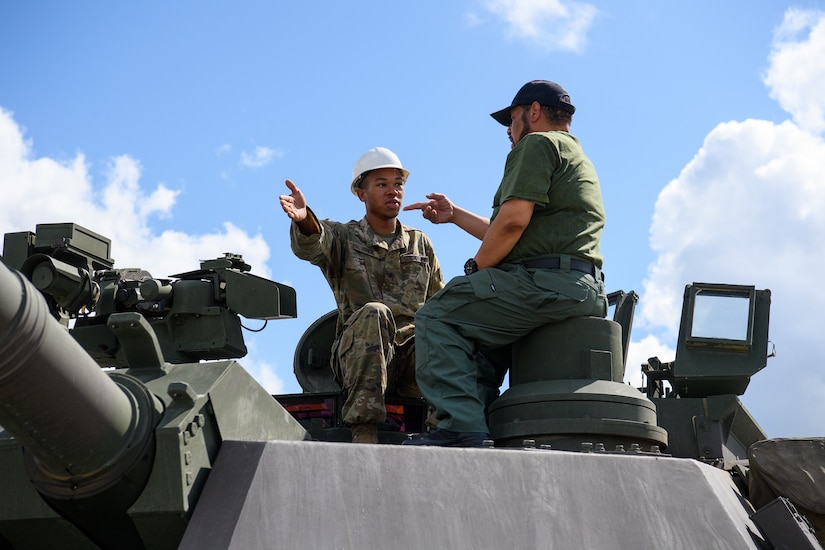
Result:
[{"x": 378, "y": 157}]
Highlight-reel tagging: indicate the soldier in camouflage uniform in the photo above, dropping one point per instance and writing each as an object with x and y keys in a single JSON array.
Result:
[{"x": 380, "y": 272}]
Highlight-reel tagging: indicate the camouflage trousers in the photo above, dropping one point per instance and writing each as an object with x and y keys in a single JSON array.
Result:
[{"x": 368, "y": 363}]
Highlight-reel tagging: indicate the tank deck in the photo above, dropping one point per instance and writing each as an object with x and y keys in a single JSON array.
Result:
[{"x": 338, "y": 495}]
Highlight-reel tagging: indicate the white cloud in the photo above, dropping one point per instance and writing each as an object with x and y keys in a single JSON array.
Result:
[
  {"x": 751, "y": 197},
  {"x": 749, "y": 208},
  {"x": 264, "y": 372},
  {"x": 639, "y": 352},
  {"x": 43, "y": 190},
  {"x": 266, "y": 376},
  {"x": 796, "y": 76},
  {"x": 259, "y": 157},
  {"x": 552, "y": 24}
]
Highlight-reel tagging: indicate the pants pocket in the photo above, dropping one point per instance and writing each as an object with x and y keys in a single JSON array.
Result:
[{"x": 483, "y": 285}]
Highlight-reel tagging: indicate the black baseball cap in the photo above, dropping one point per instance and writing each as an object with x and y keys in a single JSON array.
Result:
[{"x": 545, "y": 92}]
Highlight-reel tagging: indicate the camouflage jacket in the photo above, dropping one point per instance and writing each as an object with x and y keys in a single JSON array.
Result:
[{"x": 361, "y": 267}]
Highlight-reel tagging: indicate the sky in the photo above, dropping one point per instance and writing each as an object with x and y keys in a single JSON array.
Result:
[{"x": 170, "y": 128}]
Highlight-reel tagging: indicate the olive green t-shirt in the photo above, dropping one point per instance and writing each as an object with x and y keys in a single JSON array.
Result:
[{"x": 551, "y": 170}]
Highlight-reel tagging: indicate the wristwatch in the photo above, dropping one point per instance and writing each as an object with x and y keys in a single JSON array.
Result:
[{"x": 470, "y": 267}]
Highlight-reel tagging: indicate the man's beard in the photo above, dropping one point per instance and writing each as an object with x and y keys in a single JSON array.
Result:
[{"x": 525, "y": 124}]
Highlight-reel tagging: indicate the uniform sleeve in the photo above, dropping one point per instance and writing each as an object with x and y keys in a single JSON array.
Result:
[{"x": 318, "y": 248}]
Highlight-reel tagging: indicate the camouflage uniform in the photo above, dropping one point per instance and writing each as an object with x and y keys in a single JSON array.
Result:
[{"x": 378, "y": 287}]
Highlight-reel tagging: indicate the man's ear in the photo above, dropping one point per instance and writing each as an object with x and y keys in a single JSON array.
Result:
[
  {"x": 361, "y": 192},
  {"x": 535, "y": 111}
]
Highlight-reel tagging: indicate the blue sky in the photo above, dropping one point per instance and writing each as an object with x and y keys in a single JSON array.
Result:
[{"x": 170, "y": 128}]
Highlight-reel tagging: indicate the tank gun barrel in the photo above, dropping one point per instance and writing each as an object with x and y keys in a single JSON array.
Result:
[{"x": 74, "y": 421}]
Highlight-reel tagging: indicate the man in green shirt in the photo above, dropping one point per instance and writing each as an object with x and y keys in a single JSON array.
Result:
[
  {"x": 380, "y": 272},
  {"x": 539, "y": 262}
]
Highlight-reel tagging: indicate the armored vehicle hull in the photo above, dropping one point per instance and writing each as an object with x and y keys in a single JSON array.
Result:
[{"x": 127, "y": 422}]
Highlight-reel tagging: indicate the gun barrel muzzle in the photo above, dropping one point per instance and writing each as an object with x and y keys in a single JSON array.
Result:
[{"x": 54, "y": 398}]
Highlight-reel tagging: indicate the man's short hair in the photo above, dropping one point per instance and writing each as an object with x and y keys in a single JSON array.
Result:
[{"x": 555, "y": 114}]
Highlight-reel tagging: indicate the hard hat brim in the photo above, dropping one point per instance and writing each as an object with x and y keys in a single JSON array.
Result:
[{"x": 354, "y": 186}]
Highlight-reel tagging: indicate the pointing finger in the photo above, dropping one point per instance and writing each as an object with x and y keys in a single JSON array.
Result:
[{"x": 416, "y": 206}]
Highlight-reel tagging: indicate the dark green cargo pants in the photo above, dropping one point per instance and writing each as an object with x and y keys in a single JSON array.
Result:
[{"x": 479, "y": 314}]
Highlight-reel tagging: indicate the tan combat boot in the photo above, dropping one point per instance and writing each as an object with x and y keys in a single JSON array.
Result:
[{"x": 365, "y": 433}]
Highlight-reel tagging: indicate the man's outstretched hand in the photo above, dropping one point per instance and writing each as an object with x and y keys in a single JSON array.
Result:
[
  {"x": 439, "y": 209},
  {"x": 294, "y": 204}
]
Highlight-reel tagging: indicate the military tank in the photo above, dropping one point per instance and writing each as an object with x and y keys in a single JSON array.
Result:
[{"x": 127, "y": 422}]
